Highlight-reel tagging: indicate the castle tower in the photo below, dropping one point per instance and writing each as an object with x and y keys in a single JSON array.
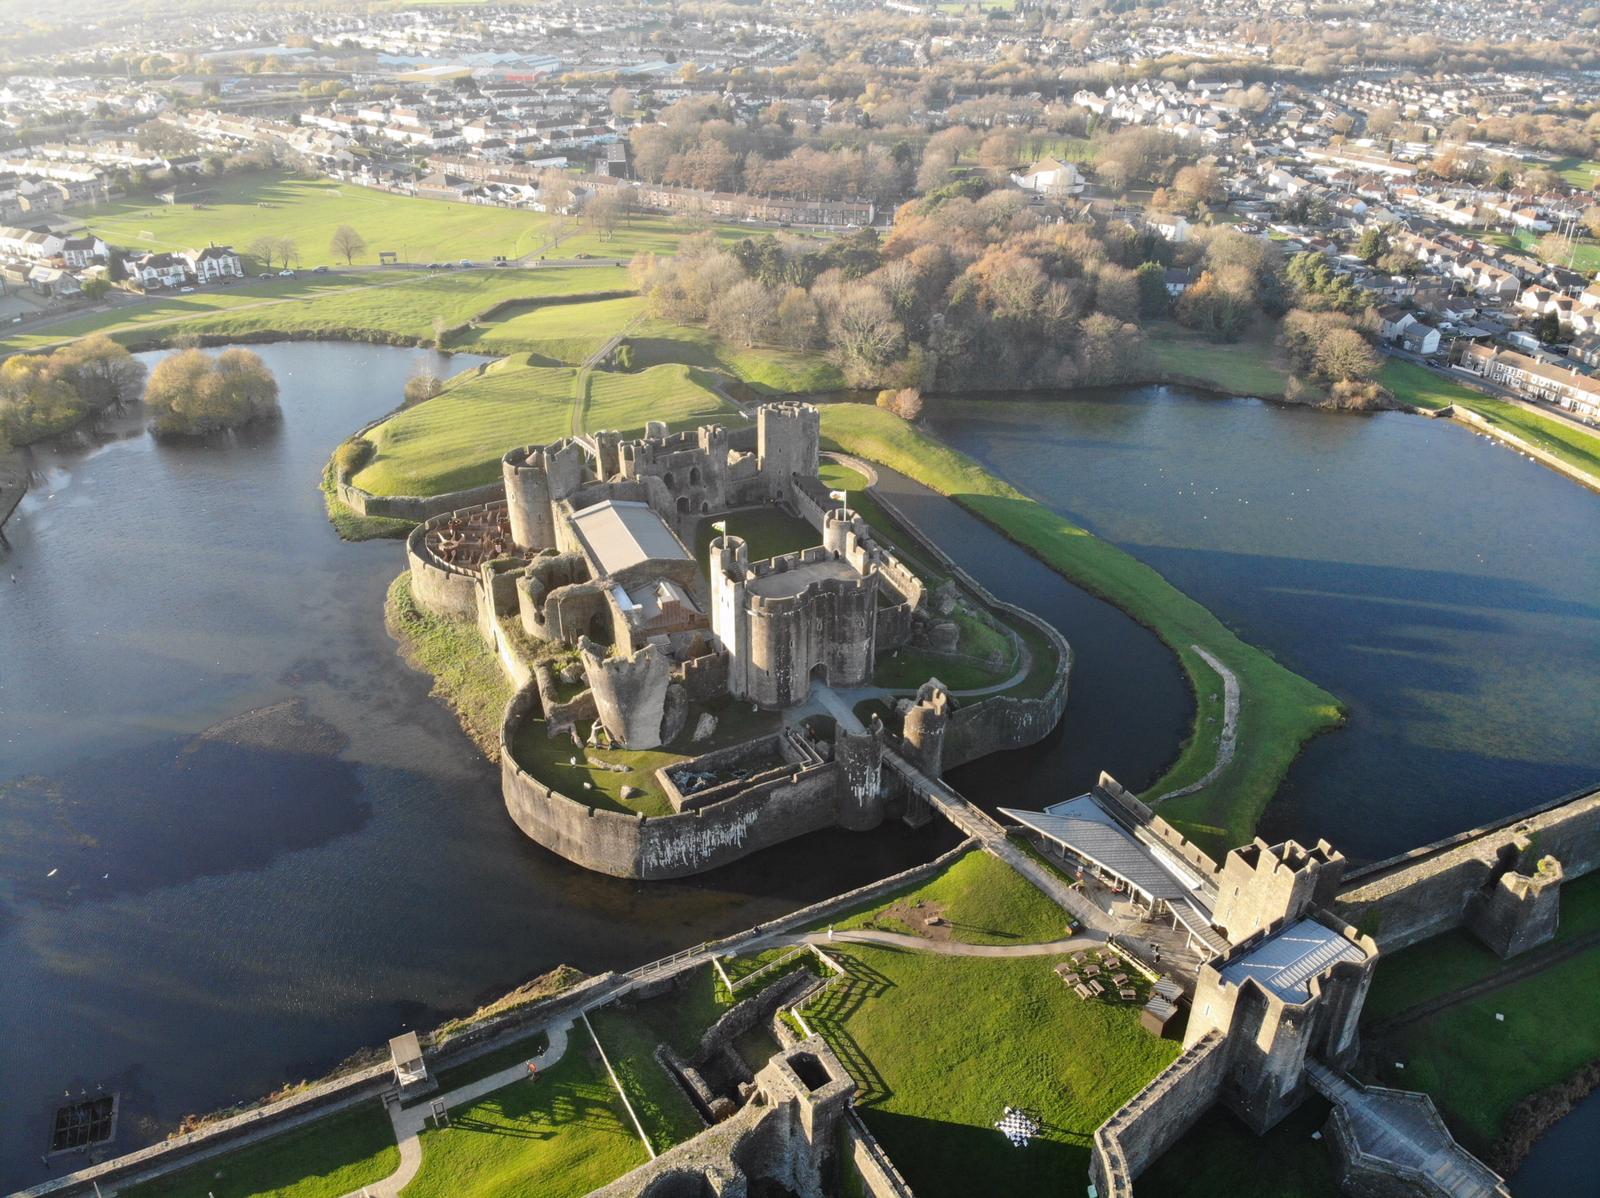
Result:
[
  {"x": 1519, "y": 911},
  {"x": 630, "y": 693},
  {"x": 730, "y": 567},
  {"x": 607, "y": 443},
  {"x": 1262, "y": 885},
  {"x": 536, "y": 477},
  {"x": 925, "y": 726},
  {"x": 788, "y": 439},
  {"x": 861, "y": 757}
]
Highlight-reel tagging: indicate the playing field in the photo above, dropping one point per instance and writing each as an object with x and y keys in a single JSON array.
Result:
[
  {"x": 242, "y": 208},
  {"x": 568, "y": 333}
]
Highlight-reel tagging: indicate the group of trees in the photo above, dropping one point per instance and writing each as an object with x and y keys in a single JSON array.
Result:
[
  {"x": 192, "y": 393},
  {"x": 45, "y": 394},
  {"x": 267, "y": 250},
  {"x": 1240, "y": 277}
]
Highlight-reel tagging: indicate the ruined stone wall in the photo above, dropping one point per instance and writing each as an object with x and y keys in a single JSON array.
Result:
[
  {"x": 1157, "y": 1117},
  {"x": 1430, "y": 889},
  {"x": 437, "y": 587},
  {"x": 414, "y": 507},
  {"x": 675, "y": 846}
]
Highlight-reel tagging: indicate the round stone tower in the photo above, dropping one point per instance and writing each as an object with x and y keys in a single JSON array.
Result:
[
  {"x": 860, "y": 757},
  {"x": 925, "y": 726},
  {"x": 528, "y": 498}
]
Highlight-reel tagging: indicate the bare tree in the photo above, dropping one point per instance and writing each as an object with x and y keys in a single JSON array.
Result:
[
  {"x": 347, "y": 243},
  {"x": 264, "y": 249}
]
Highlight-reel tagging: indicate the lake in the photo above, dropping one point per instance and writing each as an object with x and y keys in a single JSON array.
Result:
[{"x": 1444, "y": 587}]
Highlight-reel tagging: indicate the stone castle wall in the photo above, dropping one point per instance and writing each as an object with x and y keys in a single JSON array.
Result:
[
  {"x": 437, "y": 586},
  {"x": 414, "y": 507},
  {"x": 662, "y": 847},
  {"x": 1156, "y": 1118},
  {"x": 1431, "y": 889}
]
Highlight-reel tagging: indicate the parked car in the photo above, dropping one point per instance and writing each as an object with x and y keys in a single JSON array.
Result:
[
  {"x": 321, "y": 270},
  {"x": 185, "y": 290},
  {"x": 286, "y": 274},
  {"x": 466, "y": 262}
]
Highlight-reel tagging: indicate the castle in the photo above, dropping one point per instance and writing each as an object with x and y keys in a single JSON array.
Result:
[{"x": 582, "y": 580}]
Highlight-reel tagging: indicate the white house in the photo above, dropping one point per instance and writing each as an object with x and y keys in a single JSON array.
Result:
[
  {"x": 214, "y": 262},
  {"x": 1420, "y": 338},
  {"x": 1171, "y": 225},
  {"x": 1050, "y": 177},
  {"x": 81, "y": 252},
  {"x": 159, "y": 270},
  {"x": 37, "y": 244}
]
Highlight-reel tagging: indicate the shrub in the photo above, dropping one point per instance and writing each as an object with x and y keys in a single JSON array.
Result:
[
  {"x": 192, "y": 393},
  {"x": 352, "y": 455}
]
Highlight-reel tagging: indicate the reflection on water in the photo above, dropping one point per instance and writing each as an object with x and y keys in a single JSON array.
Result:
[{"x": 1447, "y": 589}]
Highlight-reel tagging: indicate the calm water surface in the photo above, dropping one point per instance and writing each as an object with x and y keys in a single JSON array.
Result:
[
  {"x": 193, "y": 923},
  {"x": 1446, "y": 588}
]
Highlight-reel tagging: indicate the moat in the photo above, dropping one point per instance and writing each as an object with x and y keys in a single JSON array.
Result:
[{"x": 180, "y": 865}]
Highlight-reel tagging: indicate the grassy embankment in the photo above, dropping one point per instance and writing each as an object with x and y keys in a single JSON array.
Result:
[
  {"x": 630, "y": 1033},
  {"x": 1422, "y": 388},
  {"x": 1253, "y": 365},
  {"x": 1015, "y": 1036},
  {"x": 1279, "y": 710},
  {"x": 330, "y": 1157},
  {"x": 456, "y": 440},
  {"x": 559, "y": 1137},
  {"x": 465, "y": 673}
]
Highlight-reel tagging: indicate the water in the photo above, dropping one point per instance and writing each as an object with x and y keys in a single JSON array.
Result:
[
  {"x": 193, "y": 923},
  {"x": 1559, "y": 1165},
  {"x": 1447, "y": 589}
]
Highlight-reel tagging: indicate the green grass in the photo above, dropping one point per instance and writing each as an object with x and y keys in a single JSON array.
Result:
[
  {"x": 767, "y": 532},
  {"x": 569, "y": 333},
  {"x": 325, "y": 1159},
  {"x": 419, "y": 230},
  {"x": 456, "y": 439},
  {"x": 1219, "y": 1155},
  {"x": 1478, "y": 1068},
  {"x": 1414, "y": 385},
  {"x": 1252, "y": 366},
  {"x": 630, "y": 1035},
  {"x": 465, "y": 673},
  {"x": 351, "y": 525},
  {"x": 983, "y": 899},
  {"x": 941, "y": 1045},
  {"x": 680, "y": 395},
  {"x": 558, "y": 1137},
  {"x": 549, "y": 758},
  {"x": 765, "y": 369},
  {"x": 1444, "y": 964},
  {"x": 1279, "y": 710},
  {"x": 1585, "y": 254}
]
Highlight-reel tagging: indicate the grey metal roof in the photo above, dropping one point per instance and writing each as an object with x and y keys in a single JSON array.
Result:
[
  {"x": 1086, "y": 828},
  {"x": 624, "y": 532},
  {"x": 1286, "y": 961}
]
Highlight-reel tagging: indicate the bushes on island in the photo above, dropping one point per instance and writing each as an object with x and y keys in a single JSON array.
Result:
[
  {"x": 45, "y": 394},
  {"x": 192, "y": 393}
]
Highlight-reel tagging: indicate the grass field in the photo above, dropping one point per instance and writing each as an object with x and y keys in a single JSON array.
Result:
[
  {"x": 245, "y": 207},
  {"x": 385, "y": 307},
  {"x": 1478, "y": 1067},
  {"x": 456, "y": 440},
  {"x": 765, "y": 369},
  {"x": 983, "y": 900},
  {"x": 941, "y": 1045},
  {"x": 465, "y": 673},
  {"x": 630, "y": 1034},
  {"x": 332, "y": 1156},
  {"x": 569, "y": 333},
  {"x": 1422, "y": 388},
  {"x": 1585, "y": 254},
  {"x": 1279, "y": 710},
  {"x": 558, "y": 1137},
  {"x": 1444, "y": 964},
  {"x": 1252, "y": 366}
]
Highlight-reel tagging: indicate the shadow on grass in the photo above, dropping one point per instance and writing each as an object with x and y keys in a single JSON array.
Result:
[
  {"x": 941, "y": 1158},
  {"x": 830, "y": 1013}
]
